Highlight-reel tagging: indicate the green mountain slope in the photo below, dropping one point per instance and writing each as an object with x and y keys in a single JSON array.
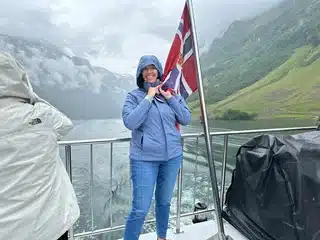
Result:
[
  {"x": 290, "y": 91},
  {"x": 251, "y": 49}
]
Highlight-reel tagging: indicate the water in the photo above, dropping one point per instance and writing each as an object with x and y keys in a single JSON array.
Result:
[{"x": 111, "y": 198}]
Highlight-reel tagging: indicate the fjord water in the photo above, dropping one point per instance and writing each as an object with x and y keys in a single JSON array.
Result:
[{"x": 111, "y": 199}]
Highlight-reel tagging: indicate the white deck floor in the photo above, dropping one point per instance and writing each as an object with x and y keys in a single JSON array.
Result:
[{"x": 199, "y": 231}]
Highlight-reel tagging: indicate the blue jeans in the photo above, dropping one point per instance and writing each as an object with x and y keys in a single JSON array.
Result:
[{"x": 145, "y": 176}]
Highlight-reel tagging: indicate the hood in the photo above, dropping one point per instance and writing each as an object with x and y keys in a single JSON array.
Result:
[
  {"x": 14, "y": 81},
  {"x": 145, "y": 61}
]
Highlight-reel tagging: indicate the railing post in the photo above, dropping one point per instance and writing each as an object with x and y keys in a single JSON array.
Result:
[
  {"x": 67, "y": 150},
  {"x": 223, "y": 171},
  {"x": 179, "y": 197},
  {"x": 111, "y": 166},
  {"x": 91, "y": 187},
  {"x": 195, "y": 173}
]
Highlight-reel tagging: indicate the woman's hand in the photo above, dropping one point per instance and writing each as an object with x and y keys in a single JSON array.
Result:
[
  {"x": 167, "y": 94},
  {"x": 153, "y": 91}
]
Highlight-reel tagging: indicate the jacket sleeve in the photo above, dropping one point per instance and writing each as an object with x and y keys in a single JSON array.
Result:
[
  {"x": 53, "y": 118},
  {"x": 134, "y": 114},
  {"x": 181, "y": 110}
]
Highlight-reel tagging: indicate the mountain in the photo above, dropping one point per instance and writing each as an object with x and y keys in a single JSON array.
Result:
[
  {"x": 70, "y": 83},
  {"x": 253, "y": 50},
  {"x": 290, "y": 91}
]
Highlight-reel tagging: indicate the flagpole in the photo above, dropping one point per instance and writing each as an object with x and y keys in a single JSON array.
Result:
[{"x": 214, "y": 182}]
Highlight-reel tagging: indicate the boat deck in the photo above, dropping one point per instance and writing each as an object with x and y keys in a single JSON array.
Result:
[{"x": 199, "y": 231}]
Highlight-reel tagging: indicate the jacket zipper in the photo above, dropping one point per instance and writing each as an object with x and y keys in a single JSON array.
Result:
[
  {"x": 166, "y": 156},
  {"x": 141, "y": 141}
]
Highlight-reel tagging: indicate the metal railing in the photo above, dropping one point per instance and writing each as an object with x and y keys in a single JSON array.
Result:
[{"x": 68, "y": 157}]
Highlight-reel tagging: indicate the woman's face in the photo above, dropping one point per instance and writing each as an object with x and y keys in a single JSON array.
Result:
[{"x": 150, "y": 74}]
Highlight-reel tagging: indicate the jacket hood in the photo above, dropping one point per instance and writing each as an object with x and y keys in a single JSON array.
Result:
[
  {"x": 147, "y": 60},
  {"x": 14, "y": 81}
]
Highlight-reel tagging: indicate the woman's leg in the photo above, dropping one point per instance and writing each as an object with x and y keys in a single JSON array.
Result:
[
  {"x": 165, "y": 185},
  {"x": 143, "y": 176}
]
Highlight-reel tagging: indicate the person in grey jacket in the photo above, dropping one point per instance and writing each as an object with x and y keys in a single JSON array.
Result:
[{"x": 37, "y": 200}]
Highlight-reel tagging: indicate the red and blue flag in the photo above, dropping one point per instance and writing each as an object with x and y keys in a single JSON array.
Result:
[{"x": 180, "y": 72}]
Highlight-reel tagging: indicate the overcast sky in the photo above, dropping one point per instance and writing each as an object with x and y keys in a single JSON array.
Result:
[{"x": 115, "y": 33}]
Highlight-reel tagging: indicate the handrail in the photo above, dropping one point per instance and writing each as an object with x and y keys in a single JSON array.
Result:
[
  {"x": 68, "y": 147},
  {"x": 189, "y": 135}
]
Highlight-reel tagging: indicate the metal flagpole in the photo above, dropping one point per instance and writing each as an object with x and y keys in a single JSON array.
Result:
[{"x": 214, "y": 182}]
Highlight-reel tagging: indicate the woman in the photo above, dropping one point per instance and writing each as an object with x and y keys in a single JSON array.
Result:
[
  {"x": 37, "y": 200},
  {"x": 155, "y": 149}
]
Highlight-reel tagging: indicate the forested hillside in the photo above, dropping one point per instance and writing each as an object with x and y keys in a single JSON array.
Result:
[{"x": 273, "y": 59}]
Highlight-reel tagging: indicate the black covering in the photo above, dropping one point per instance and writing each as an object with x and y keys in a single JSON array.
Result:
[{"x": 275, "y": 190}]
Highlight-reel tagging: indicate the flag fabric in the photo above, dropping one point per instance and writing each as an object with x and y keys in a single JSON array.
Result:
[{"x": 180, "y": 72}]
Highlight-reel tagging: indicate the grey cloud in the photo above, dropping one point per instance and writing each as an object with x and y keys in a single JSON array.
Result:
[{"x": 112, "y": 27}]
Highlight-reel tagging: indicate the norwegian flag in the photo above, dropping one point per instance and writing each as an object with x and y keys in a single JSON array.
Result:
[{"x": 180, "y": 72}]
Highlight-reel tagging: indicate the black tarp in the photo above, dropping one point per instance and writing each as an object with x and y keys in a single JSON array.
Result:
[{"x": 275, "y": 189}]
